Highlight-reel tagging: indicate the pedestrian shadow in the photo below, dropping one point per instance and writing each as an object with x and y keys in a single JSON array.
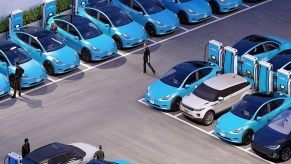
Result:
[
  {"x": 43, "y": 90},
  {"x": 33, "y": 103}
]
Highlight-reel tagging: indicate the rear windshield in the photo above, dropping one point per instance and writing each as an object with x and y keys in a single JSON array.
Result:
[{"x": 174, "y": 78}]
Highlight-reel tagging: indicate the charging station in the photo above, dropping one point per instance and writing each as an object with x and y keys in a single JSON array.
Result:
[
  {"x": 284, "y": 81},
  {"x": 230, "y": 60},
  {"x": 48, "y": 10},
  {"x": 215, "y": 52},
  {"x": 13, "y": 158},
  {"x": 15, "y": 20},
  {"x": 76, "y": 4},
  {"x": 265, "y": 81},
  {"x": 250, "y": 70}
]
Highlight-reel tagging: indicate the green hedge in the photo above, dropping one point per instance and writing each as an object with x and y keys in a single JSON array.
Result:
[{"x": 35, "y": 14}]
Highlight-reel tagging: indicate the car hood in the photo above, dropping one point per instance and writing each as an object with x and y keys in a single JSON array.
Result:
[
  {"x": 66, "y": 55},
  {"x": 32, "y": 68},
  {"x": 269, "y": 137},
  {"x": 166, "y": 17},
  {"x": 159, "y": 90},
  {"x": 102, "y": 42},
  {"x": 88, "y": 149},
  {"x": 122, "y": 162},
  {"x": 195, "y": 102},
  {"x": 232, "y": 1},
  {"x": 229, "y": 122},
  {"x": 133, "y": 29},
  {"x": 199, "y": 6}
]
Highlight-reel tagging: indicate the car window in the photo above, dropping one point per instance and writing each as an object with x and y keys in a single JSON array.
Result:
[
  {"x": 271, "y": 46},
  {"x": 126, "y": 2},
  {"x": 33, "y": 42},
  {"x": 73, "y": 31},
  {"x": 239, "y": 86},
  {"x": 276, "y": 103},
  {"x": 3, "y": 59},
  {"x": 23, "y": 37},
  {"x": 192, "y": 78},
  {"x": 265, "y": 109},
  {"x": 60, "y": 159},
  {"x": 204, "y": 72},
  {"x": 103, "y": 18},
  {"x": 91, "y": 12},
  {"x": 257, "y": 50},
  {"x": 61, "y": 24},
  {"x": 226, "y": 92},
  {"x": 137, "y": 7}
]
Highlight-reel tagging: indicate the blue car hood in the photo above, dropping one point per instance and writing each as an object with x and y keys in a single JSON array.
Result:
[
  {"x": 267, "y": 137},
  {"x": 32, "y": 68},
  {"x": 159, "y": 90},
  {"x": 133, "y": 29},
  {"x": 122, "y": 162},
  {"x": 102, "y": 42},
  {"x": 232, "y": 1},
  {"x": 199, "y": 6},
  {"x": 229, "y": 122},
  {"x": 166, "y": 17},
  {"x": 66, "y": 55}
]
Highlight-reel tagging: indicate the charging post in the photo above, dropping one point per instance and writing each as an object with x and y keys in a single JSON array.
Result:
[
  {"x": 48, "y": 10},
  {"x": 15, "y": 20},
  {"x": 284, "y": 81},
  {"x": 215, "y": 52},
  {"x": 265, "y": 81},
  {"x": 13, "y": 158},
  {"x": 250, "y": 70},
  {"x": 230, "y": 60}
]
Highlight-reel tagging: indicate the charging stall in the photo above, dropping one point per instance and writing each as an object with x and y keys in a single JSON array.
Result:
[
  {"x": 15, "y": 20},
  {"x": 48, "y": 10},
  {"x": 265, "y": 80},
  {"x": 230, "y": 60},
  {"x": 13, "y": 158},
  {"x": 284, "y": 81},
  {"x": 215, "y": 52},
  {"x": 76, "y": 4},
  {"x": 250, "y": 70}
]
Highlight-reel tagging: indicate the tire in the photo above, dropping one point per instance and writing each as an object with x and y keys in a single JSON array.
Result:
[
  {"x": 86, "y": 55},
  {"x": 247, "y": 137},
  {"x": 151, "y": 30},
  {"x": 208, "y": 118},
  {"x": 285, "y": 154},
  {"x": 183, "y": 17},
  {"x": 12, "y": 81},
  {"x": 118, "y": 42},
  {"x": 49, "y": 68},
  {"x": 175, "y": 104},
  {"x": 215, "y": 7}
]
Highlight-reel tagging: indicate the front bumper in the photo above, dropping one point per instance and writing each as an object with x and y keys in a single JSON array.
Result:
[
  {"x": 162, "y": 30},
  {"x": 156, "y": 103},
  {"x": 4, "y": 91},
  {"x": 228, "y": 136},
  {"x": 63, "y": 68},
  {"x": 97, "y": 56},
  {"x": 230, "y": 7},
  {"x": 273, "y": 154},
  {"x": 194, "y": 18},
  {"x": 189, "y": 112},
  {"x": 30, "y": 82},
  {"x": 128, "y": 43}
]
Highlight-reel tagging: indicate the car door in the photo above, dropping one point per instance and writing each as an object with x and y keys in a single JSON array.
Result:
[
  {"x": 258, "y": 51},
  {"x": 4, "y": 65},
  {"x": 105, "y": 25},
  {"x": 35, "y": 50},
  {"x": 189, "y": 84},
  {"x": 225, "y": 102},
  {"x": 272, "y": 49},
  {"x": 74, "y": 38},
  {"x": 276, "y": 107},
  {"x": 62, "y": 31},
  {"x": 137, "y": 13}
]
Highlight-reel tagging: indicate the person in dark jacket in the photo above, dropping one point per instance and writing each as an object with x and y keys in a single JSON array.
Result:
[
  {"x": 146, "y": 59},
  {"x": 99, "y": 154},
  {"x": 18, "y": 74},
  {"x": 25, "y": 148}
]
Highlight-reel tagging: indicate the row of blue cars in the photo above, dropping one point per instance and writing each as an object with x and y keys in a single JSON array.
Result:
[{"x": 257, "y": 117}]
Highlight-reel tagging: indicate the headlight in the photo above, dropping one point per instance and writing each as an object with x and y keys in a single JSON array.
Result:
[
  {"x": 159, "y": 23},
  {"x": 237, "y": 130},
  {"x": 25, "y": 76},
  {"x": 199, "y": 109},
  {"x": 191, "y": 11},
  {"x": 167, "y": 97},
  {"x": 223, "y": 1},
  {"x": 57, "y": 62},
  {"x": 126, "y": 36},
  {"x": 95, "y": 49},
  {"x": 274, "y": 147}
]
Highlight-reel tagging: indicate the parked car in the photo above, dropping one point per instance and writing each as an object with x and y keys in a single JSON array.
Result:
[
  {"x": 152, "y": 15},
  {"x": 274, "y": 139},
  {"x": 115, "y": 22},
  {"x": 281, "y": 60},
  {"x": 84, "y": 37},
  {"x": 182, "y": 79},
  {"x": 250, "y": 115},
  {"x": 109, "y": 162},
  {"x": 55, "y": 153},
  {"x": 4, "y": 85},
  {"x": 213, "y": 96},
  {"x": 189, "y": 11},
  {"x": 223, "y": 6},
  {"x": 44, "y": 47},
  {"x": 34, "y": 72}
]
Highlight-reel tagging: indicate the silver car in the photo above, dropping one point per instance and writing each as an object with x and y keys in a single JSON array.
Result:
[{"x": 213, "y": 96}]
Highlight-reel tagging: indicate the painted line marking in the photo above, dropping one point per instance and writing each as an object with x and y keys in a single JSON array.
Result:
[
  {"x": 206, "y": 132},
  {"x": 246, "y": 5},
  {"x": 177, "y": 115},
  {"x": 85, "y": 65},
  {"x": 51, "y": 79},
  {"x": 121, "y": 53},
  {"x": 216, "y": 17},
  {"x": 248, "y": 149},
  {"x": 183, "y": 28},
  {"x": 152, "y": 40},
  {"x": 164, "y": 40}
]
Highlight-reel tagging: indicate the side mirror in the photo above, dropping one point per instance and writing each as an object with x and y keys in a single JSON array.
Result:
[
  {"x": 259, "y": 118},
  {"x": 4, "y": 64},
  {"x": 220, "y": 98},
  {"x": 195, "y": 86},
  {"x": 187, "y": 86},
  {"x": 107, "y": 25},
  {"x": 140, "y": 13},
  {"x": 38, "y": 50},
  {"x": 76, "y": 38}
]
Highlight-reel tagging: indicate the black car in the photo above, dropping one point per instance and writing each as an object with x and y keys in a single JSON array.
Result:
[{"x": 274, "y": 139}]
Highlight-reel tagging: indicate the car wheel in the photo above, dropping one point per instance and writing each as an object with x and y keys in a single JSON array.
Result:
[
  {"x": 49, "y": 68},
  {"x": 285, "y": 154},
  {"x": 247, "y": 137},
  {"x": 150, "y": 28},
  {"x": 175, "y": 104},
  {"x": 118, "y": 42},
  {"x": 183, "y": 17},
  {"x": 86, "y": 55},
  {"x": 12, "y": 81},
  {"x": 215, "y": 7},
  {"x": 208, "y": 118}
]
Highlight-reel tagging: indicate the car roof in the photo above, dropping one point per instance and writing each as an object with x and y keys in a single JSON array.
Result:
[
  {"x": 6, "y": 45},
  {"x": 281, "y": 59},
  {"x": 224, "y": 81},
  {"x": 73, "y": 19},
  {"x": 35, "y": 31},
  {"x": 190, "y": 66},
  {"x": 106, "y": 8}
]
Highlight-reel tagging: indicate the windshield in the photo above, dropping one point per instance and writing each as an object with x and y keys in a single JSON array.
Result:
[
  {"x": 87, "y": 29},
  {"x": 152, "y": 7},
  {"x": 174, "y": 78},
  {"x": 245, "y": 109},
  {"x": 183, "y": 1},
  {"x": 50, "y": 42},
  {"x": 15, "y": 54},
  {"x": 119, "y": 18},
  {"x": 205, "y": 92},
  {"x": 282, "y": 122}
]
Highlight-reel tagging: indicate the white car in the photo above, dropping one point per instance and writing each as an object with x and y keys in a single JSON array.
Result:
[{"x": 213, "y": 96}]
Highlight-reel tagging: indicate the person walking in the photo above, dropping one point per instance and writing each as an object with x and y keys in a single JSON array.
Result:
[
  {"x": 25, "y": 148},
  {"x": 99, "y": 154},
  {"x": 18, "y": 74},
  {"x": 146, "y": 59}
]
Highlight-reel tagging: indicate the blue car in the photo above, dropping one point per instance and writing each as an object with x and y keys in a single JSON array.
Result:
[
  {"x": 115, "y": 22},
  {"x": 224, "y": 6},
  {"x": 108, "y": 162},
  {"x": 43, "y": 46},
  {"x": 281, "y": 60},
  {"x": 84, "y": 37},
  {"x": 156, "y": 19},
  {"x": 263, "y": 48},
  {"x": 34, "y": 72},
  {"x": 250, "y": 115},
  {"x": 189, "y": 11},
  {"x": 4, "y": 85},
  {"x": 274, "y": 139},
  {"x": 182, "y": 79}
]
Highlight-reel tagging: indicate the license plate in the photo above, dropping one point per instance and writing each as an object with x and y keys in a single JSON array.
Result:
[
  {"x": 140, "y": 40},
  {"x": 152, "y": 101},
  {"x": 110, "y": 53},
  {"x": 222, "y": 134},
  {"x": 1, "y": 92},
  {"x": 72, "y": 65},
  {"x": 205, "y": 16},
  {"x": 37, "y": 80},
  {"x": 173, "y": 27},
  {"x": 236, "y": 5},
  {"x": 185, "y": 111}
]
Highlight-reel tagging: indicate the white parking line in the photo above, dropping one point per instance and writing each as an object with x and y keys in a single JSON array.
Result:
[
  {"x": 177, "y": 115},
  {"x": 85, "y": 65},
  {"x": 248, "y": 149},
  {"x": 215, "y": 17},
  {"x": 183, "y": 28},
  {"x": 151, "y": 40},
  {"x": 51, "y": 79},
  {"x": 121, "y": 53},
  {"x": 246, "y": 5},
  {"x": 245, "y": 150},
  {"x": 211, "y": 132}
]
